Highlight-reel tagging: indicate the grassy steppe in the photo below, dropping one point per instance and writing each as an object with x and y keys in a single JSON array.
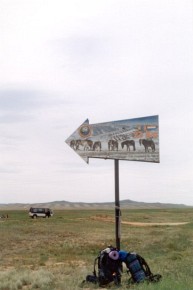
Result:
[{"x": 58, "y": 253}]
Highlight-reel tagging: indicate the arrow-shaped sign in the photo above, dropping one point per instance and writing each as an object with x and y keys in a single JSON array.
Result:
[{"x": 133, "y": 139}]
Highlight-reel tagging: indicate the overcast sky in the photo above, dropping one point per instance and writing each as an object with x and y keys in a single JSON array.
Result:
[{"x": 62, "y": 62}]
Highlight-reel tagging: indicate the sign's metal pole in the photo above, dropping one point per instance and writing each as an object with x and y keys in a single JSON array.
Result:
[{"x": 117, "y": 206}]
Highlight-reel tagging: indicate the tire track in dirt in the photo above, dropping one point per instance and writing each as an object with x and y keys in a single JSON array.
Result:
[{"x": 140, "y": 224}]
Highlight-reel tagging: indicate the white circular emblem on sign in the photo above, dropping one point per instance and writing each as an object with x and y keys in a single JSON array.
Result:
[{"x": 85, "y": 131}]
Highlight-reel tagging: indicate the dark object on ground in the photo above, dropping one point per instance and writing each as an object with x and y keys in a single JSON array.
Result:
[
  {"x": 109, "y": 268},
  {"x": 109, "y": 262}
]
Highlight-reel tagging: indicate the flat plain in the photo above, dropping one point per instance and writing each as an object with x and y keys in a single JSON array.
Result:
[{"x": 57, "y": 253}]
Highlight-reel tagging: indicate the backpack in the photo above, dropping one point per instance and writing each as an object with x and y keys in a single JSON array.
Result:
[
  {"x": 109, "y": 267},
  {"x": 138, "y": 268}
]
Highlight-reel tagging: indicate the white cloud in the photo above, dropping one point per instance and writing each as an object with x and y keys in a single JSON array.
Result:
[{"x": 65, "y": 61}]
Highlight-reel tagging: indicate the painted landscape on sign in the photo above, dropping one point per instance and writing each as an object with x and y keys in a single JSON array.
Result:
[{"x": 133, "y": 139}]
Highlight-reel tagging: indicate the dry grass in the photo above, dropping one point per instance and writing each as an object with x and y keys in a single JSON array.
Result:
[{"x": 58, "y": 253}]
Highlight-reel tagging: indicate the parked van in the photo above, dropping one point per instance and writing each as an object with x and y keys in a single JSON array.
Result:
[{"x": 40, "y": 212}]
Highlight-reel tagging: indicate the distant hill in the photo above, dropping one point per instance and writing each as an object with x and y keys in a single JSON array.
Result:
[{"x": 60, "y": 205}]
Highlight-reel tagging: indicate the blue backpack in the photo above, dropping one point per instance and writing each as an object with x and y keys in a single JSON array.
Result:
[{"x": 138, "y": 268}]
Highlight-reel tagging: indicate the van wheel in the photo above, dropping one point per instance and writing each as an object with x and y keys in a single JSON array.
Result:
[{"x": 34, "y": 216}]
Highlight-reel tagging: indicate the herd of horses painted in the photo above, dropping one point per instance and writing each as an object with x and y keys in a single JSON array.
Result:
[{"x": 88, "y": 145}]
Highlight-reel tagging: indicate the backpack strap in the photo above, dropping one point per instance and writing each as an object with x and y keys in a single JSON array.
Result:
[
  {"x": 144, "y": 265},
  {"x": 155, "y": 278},
  {"x": 95, "y": 261},
  {"x": 149, "y": 275}
]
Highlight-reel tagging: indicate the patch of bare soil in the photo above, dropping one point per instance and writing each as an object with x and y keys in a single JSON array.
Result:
[
  {"x": 153, "y": 224},
  {"x": 139, "y": 224}
]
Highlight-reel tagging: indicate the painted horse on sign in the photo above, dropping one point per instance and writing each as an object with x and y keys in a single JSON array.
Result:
[
  {"x": 128, "y": 143},
  {"x": 147, "y": 143}
]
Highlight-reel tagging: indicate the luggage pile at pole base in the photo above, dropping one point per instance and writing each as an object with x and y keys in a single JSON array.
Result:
[{"x": 109, "y": 264}]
